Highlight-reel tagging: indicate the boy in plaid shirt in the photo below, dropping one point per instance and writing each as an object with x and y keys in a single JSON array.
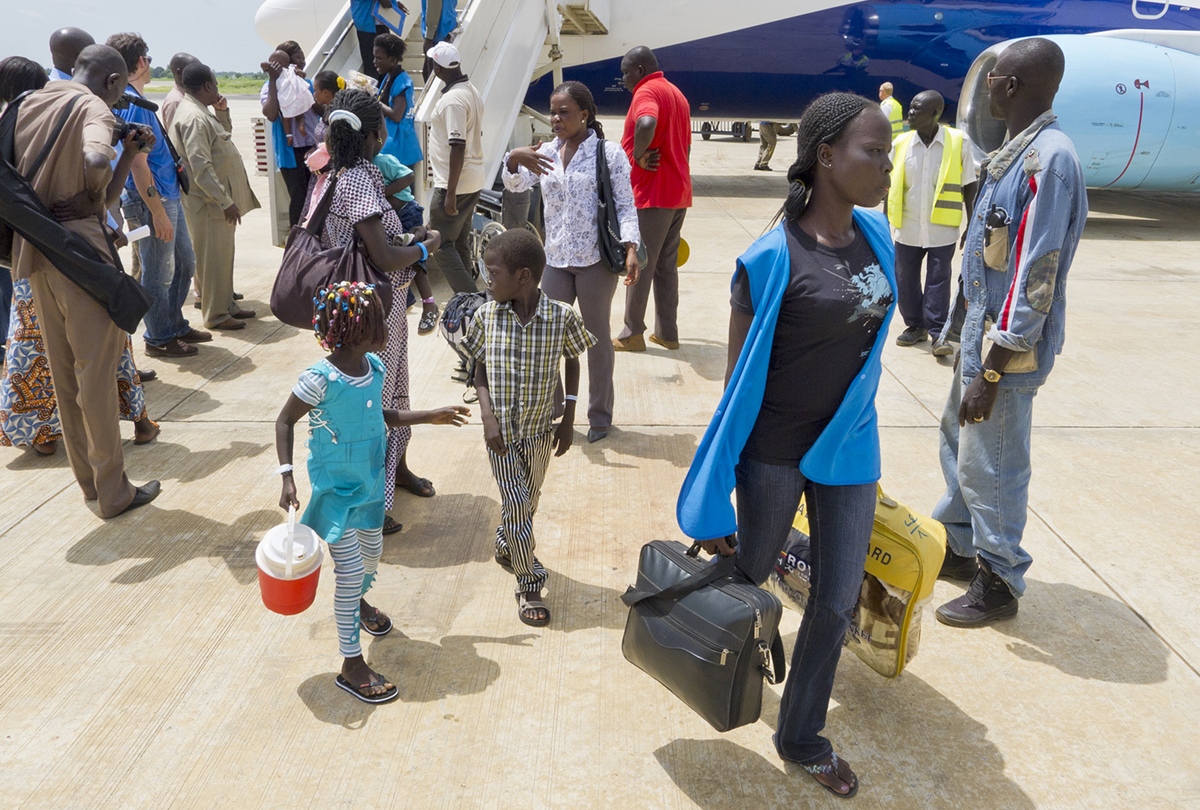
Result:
[{"x": 516, "y": 340}]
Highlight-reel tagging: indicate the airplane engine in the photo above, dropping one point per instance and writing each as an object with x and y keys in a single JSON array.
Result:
[
  {"x": 1132, "y": 109},
  {"x": 303, "y": 21}
]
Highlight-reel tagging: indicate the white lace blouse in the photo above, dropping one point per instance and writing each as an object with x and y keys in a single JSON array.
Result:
[{"x": 569, "y": 200}]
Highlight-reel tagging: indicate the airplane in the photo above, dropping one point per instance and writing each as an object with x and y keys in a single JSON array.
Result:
[{"x": 1129, "y": 98}]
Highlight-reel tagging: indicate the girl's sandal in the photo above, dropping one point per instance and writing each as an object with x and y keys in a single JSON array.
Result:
[
  {"x": 428, "y": 321},
  {"x": 383, "y": 625},
  {"x": 830, "y": 765},
  {"x": 389, "y": 694},
  {"x": 390, "y": 526},
  {"x": 505, "y": 562},
  {"x": 526, "y": 602}
]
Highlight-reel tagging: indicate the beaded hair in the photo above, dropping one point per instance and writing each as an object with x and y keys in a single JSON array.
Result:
[{"x": 348, "y": 313}]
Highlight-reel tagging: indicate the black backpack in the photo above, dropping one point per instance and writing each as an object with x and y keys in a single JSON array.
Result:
[{"x": 24, "y": 213}]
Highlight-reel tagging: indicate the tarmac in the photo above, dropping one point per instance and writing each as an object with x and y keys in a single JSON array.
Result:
[{"x": 139, "y": 668}]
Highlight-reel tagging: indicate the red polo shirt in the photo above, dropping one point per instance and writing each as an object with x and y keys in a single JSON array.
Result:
[{"x": 671, "y": 185}]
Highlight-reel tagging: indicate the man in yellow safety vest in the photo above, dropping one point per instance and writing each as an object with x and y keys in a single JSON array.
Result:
[
  {"x": 891, "y": 108},
  {"x": 933, "y": 180}
]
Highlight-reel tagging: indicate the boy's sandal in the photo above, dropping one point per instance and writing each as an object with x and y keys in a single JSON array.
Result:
[
  {"x": 830, "y": 765},
  {"x": 524, "y": 603},
  {"x": 382, "y": 628},
  {"x": 505, "y": 562},
  {"x": 358, "y": 691},
  {"x": 428, "y": 321}
]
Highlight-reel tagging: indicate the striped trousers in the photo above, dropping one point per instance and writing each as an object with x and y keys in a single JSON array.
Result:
[
  {"x": 519, "y": 473},
  {"x": 355, "y": 560}
]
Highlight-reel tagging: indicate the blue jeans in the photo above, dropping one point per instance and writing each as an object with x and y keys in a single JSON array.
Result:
[
  {"x": 987, "y": 471},
  {"x": 167, "y": 270},
  {"x": 6, "y": 296},
  {"x": 841, "y": 519}
]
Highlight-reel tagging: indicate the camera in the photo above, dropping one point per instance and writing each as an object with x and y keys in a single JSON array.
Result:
[{"x": 145, "y": 135}]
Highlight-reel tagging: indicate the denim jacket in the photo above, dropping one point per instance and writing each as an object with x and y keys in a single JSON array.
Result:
[{"x": 1027, "y": 221}]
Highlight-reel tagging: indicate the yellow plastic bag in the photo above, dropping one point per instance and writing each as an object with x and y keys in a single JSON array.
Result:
[{"x": 902, "y": 565}]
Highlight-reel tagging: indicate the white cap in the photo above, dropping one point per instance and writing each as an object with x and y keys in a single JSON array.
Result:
[{"x": 444, "y": 54}]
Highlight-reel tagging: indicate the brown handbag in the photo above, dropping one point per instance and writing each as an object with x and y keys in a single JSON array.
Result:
[{"x": 306, "y": 268}]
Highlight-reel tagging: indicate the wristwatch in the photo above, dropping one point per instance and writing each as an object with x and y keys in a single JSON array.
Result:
[{"x": 991, "y": 375}]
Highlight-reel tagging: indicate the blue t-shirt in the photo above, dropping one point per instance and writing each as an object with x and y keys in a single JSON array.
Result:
[
  {"x": 392, "y": 170},
  {"x": 361, "y": 13},
  {"x": 445, "y": 25},
  {"x": 161, "y": 164},
  {"x": 402, "y": 135}
]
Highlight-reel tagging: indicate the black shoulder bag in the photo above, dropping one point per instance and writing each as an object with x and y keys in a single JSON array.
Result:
[{"x": 612, "y": 249}]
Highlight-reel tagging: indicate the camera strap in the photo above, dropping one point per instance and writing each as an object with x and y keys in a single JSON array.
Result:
[{"x": 58, "y": 128}]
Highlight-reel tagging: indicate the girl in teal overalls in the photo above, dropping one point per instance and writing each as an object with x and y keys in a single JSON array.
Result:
[{"x": 342, "y": 395}]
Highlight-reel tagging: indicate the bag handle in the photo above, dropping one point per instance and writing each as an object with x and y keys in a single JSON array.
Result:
[
  {"x": 316, "y": 220},
  {"x": 45, "y": 153},
  {"x": 775, "y": 652},
  {"x": 722, "y": 568}
]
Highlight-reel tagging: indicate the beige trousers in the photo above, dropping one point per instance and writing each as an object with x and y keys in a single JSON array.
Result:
[
  {"x": 84, "y": 348},
  {"x": 212, "y": 240}
]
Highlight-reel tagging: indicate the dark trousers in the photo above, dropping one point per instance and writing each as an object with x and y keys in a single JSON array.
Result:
[
  {"x": 296, "y": 180},
  {"x": 840, "y": 519},
  {"x": 661, "y": 228},
  {"x": 366, "y": 50},
  {"x": 454, "y": 258},
  {"x": 924, "y": 309}
]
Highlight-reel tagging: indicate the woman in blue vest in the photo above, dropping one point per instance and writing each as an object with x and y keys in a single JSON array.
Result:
[
  {"x": 396, "y": 96},
  {"x": 810, "y": 310}
]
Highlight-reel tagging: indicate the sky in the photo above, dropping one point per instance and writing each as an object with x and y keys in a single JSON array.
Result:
[{"x": 219, "y": 32}]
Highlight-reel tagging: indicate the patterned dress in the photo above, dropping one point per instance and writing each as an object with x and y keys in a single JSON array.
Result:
[
  {"x": 28, "y": 409},
  {"x": 359, "y": 196}
]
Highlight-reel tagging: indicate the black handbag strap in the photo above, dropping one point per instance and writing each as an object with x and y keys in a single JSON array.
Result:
[
  {"x": 58, "y": 128},
  {"x": 721, "y": 568}
]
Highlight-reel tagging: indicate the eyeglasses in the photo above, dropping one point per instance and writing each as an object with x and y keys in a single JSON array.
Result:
[{"x": 992, "y": 79}]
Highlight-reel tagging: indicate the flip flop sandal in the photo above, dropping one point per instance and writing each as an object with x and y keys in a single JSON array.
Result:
[
  {"x": 831, "y": 767},
  {"x": 381, "y": 630},
  {"x": 525, "y": 603},
  {"x": 385, "y": 697},
  {"x": 428, "y": 322},
  {"x": 390, "y": 526},
  {"x": 418, "y": 487},
  {"x": 505, "y": 562}
]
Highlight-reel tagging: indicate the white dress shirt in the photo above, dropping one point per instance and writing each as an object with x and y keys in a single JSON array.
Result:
[
  {"x": 921, "y": 167},
  {"x": 569, "y": 200}
]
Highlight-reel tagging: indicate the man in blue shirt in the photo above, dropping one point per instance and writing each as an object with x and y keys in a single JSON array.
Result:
[
  {"x": 151, "y": 197},
  {"x": 65, "y": 45},
  {"x": 1022, "y": 236}
]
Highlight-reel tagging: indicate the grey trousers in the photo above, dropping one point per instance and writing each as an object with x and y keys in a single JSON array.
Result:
[
  {"x": 766, "y": 142},
  {"x": 594, "y": 287},
  {"x": 660, "y": 229},
  {"x": 454, "y": 258}
]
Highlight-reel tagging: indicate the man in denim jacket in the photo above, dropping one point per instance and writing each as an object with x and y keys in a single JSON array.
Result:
[{"x": 1022, "y": 236}]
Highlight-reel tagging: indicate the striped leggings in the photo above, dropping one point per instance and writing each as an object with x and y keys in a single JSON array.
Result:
[
  {"x": 519, "y": 473},
  {"x": 355, "y": 560}
]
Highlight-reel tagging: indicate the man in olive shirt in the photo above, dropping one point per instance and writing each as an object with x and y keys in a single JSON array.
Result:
[
  {"x": 83, "y": 345},
  {"x": 219, "y": 195}
]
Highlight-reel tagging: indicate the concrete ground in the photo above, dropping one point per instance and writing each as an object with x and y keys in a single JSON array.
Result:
[{"x": 139, "y": 668}]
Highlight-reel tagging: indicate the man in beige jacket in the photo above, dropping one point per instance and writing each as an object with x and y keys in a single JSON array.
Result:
[{"x": 220, "y": 193}]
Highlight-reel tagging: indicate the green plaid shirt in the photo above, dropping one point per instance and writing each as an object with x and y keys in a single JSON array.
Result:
[{"x": 522, "y": 361}]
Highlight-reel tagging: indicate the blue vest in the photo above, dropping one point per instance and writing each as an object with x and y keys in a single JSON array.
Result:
[{"x": 846, "y": 452}]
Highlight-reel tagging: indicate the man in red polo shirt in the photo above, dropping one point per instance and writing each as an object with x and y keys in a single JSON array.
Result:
[{"x": 658, "y": 141}]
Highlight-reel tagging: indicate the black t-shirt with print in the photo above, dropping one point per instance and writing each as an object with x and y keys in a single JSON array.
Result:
[{"x": 832, "y": 310}]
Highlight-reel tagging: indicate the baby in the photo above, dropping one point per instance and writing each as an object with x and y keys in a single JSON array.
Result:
[{"x": 293, "y": 91}]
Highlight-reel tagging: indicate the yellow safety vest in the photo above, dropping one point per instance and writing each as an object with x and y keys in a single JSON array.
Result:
[
  {"x": 895, "y": 115},
  {"x": 948, "y": 202}
]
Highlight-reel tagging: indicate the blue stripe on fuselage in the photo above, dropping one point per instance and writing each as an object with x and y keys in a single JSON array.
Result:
[{"x": 769, "y": 72}]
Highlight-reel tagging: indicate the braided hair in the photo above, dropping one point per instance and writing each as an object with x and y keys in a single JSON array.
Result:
[
  {"x": 348, "y": 313},
  {"x": 19, "y": 75},
  {"x": 578, "y": 92},
  {"x": 344, "y": 142},
  {"x": 825, "y": 120}
]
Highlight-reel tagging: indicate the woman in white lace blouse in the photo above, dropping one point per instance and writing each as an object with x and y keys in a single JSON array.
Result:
[{"x": 566, "y": 170}]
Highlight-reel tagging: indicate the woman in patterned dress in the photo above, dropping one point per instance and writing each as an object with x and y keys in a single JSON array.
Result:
[
  {"x": 355, "y": 135},
  {"x": 28, "y": 409}
]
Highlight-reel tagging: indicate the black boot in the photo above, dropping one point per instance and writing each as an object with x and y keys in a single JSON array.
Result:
[
  {"x": 958, "y": 568},
  {"x": 987, "y": 600}
]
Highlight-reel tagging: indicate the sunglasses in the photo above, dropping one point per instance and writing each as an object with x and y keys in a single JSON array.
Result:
[{"x": 992, "y": 79}]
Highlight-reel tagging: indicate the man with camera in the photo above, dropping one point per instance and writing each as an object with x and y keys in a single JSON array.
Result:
[
  {"x": 83, "y": 344},
  {"x": 152, "y": 197}
]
